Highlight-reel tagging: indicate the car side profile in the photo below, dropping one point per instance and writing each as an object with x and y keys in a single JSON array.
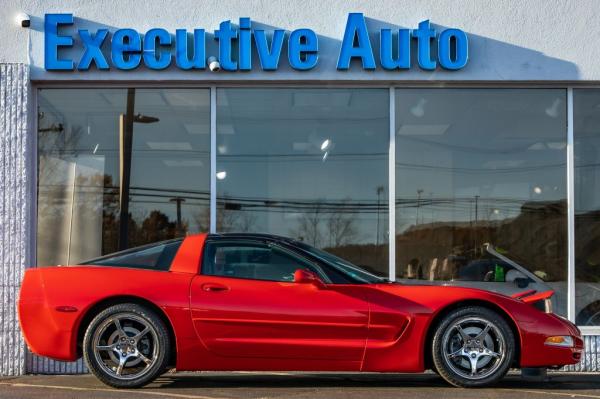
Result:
[{"x": 265, "y": 303}]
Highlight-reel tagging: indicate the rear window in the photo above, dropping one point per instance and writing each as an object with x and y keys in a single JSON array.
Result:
[{"x": 158, "y": 256}]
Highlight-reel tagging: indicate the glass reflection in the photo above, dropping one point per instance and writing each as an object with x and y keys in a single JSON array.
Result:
[
  {"x": 91, "y": 141},
  {"x": 586, "y": 113},
  {"x": 480, "y": 188},
  {"x": 306, "y": 163}
]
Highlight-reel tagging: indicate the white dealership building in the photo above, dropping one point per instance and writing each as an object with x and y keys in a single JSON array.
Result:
[{"x": 414, "y": 138}]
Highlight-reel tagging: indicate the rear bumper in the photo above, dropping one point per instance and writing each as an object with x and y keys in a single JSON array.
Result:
[{"x": 47, "y": 331}]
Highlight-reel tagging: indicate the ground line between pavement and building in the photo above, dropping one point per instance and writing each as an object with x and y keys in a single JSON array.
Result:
[
  {"x": 572, "y": 395},
  {"x": 137, "y": 391}
]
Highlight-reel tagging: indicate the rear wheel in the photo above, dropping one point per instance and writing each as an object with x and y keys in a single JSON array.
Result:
[
  {"x": 126, "y": 346},
  {"x": 473, "y": 346}
]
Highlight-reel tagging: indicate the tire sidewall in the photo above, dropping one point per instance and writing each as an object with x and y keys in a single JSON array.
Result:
[
  {"x": 439, "y": 361},
  {"x": 163, "y": 341}
]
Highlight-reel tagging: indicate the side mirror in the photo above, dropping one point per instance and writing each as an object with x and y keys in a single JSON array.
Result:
[{"x": 302, "y": 276}]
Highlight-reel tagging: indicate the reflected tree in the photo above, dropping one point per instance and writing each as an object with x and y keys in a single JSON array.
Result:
[
  {"x": 326, "y": 225},
  {"x": 228, "y": 220},
  {"x": 341, "y": 226},
  {"x": 157, "y": 227},
  {"x": 309, "y": 223}
]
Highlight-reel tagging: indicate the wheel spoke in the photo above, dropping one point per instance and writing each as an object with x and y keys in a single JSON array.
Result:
[
  {"x": 487, "y": 352},
  {"x": 105, "y": 347},
  {"x": 142, "y": 333},
  {"x": 144, "y": 358},
  {"x": 119, "y": 328},
  {"x": 483, "y": 332},
  {"x": 473, "y": 362},
  {"x": 122, "y": 360},
  {"x": 457, "y": 353},
  {"x": 463, "y": 334}
]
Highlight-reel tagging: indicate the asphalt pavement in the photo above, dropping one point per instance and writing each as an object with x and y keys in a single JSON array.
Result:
[{"x": 300, "y": 386}]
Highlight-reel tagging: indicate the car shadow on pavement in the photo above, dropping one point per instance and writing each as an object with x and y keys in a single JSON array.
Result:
[{"x": 570, "y": 381}]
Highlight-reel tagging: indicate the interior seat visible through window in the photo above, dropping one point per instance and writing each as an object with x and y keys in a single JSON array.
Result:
[{"x": 251, "y": 261}]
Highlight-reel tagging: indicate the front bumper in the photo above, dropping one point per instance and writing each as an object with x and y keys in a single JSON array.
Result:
[{"x": 535, "y": 352}]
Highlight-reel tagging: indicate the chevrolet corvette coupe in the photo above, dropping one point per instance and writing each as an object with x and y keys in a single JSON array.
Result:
[{"x": 262, "y": 302}]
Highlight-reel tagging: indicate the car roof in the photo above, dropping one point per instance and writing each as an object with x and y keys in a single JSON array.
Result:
[{"x": 251, "y": 236}]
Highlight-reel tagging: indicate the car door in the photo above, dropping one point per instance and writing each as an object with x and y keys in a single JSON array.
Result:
[{"x": 244, "y": 303}]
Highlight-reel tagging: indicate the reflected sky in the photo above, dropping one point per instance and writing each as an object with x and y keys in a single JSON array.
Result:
[
  {"x": 587, "y": 204},
  {"x": 306, "y": 163}
]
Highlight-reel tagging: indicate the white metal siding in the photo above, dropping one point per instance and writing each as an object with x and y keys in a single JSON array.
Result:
[
  {"x": 15, "y": 231},
  {"x": 591, "y": 357}
]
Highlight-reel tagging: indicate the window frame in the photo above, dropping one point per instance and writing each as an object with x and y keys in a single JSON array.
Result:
[
  {"x": 258, "y": 243},
  {"x": 390, "y": 86}
]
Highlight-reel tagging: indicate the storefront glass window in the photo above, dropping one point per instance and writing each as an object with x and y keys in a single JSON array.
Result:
[
  {"x": 155, "y": 141},
  {"x": 586, "y": 114},
  {"x": 306, "y": 163},
  {"x": 481, "y": 188}
]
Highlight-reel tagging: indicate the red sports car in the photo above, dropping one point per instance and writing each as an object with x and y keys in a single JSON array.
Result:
[{"x": 261, "y": 302}]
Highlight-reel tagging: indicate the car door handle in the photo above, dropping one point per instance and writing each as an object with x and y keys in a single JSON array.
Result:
[{"x": 214, "y": 287}]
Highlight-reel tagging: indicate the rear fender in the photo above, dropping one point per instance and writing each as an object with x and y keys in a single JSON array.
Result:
[{"x": 46, "y": 293}]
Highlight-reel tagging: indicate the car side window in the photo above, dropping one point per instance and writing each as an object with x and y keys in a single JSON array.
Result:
[
  {"x": 156, "y": 256},
  {"x": 254, "y": 261}
]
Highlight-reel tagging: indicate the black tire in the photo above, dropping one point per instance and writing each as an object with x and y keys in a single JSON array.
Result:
[
  {"x": 590, "y": 315},
  {"x": 118, "y": 327},
  {"x": 461, "y": 342}
]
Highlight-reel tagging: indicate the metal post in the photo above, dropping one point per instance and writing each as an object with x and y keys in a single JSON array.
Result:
[
  {"x": 125, "y": 149},
  {"x": 213, "y": 159},
  {"x": 179, "y": 227},
  {"x": 570, "y": 209},
  {"x": 392, "y": 187}
]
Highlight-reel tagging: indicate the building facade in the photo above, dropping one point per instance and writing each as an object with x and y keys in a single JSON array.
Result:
[{"x": 437, "y": 142}]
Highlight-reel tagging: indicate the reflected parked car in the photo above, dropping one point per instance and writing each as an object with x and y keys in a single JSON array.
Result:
[{"x": 495, "y": 271}]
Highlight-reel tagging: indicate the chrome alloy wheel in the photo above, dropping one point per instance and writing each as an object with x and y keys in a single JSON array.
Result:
[
  {"x": 473, "y": 347},
  {"x": 125, "y": 345}
]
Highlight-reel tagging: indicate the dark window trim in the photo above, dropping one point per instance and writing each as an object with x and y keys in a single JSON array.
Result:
[
  {"x": 265, "y": 243},
  {"x": 131, "y": 250}
]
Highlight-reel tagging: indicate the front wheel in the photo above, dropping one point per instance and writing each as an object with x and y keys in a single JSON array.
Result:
[
  {"x": 472, "y": 347},
  {"x": 126, "y": 346}
]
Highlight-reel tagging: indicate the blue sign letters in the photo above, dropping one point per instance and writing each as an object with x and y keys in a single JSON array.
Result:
[
  {"x": 53, "y": 41},
  {"x": 182, "y": 54},
  {"x": 127, "y": 49}
]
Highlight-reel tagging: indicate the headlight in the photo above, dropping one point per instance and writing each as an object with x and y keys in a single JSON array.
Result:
[{"x": 560, "y": 340}]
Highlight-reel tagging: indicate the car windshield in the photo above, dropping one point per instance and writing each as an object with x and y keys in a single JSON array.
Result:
[{"x": 348, "y": 269}]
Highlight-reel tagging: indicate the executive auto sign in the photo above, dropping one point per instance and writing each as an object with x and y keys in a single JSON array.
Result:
[{"x": 158, "y": 49}]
